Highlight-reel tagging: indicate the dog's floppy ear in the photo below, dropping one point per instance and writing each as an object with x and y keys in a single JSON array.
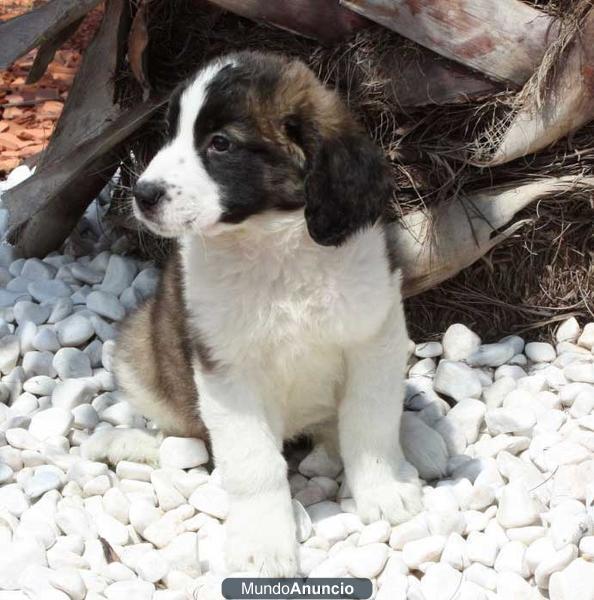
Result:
[{"x": 347, "y": 186}]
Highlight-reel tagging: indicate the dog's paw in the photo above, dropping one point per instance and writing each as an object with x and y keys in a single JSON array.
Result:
[
  {"x": 393, "y": 498},
  {"x": 261, "y": 536}
]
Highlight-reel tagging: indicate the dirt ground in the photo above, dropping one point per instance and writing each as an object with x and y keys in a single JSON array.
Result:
[{"x": 28, "y": 113}]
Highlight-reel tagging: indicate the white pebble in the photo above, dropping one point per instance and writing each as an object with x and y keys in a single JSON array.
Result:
[
  {"x": 182, "y": 453},
  {"x": 50, "y": 422},
  {"x": 457, "y": 380},
  {"x": 105, "y": 305},
  {"x": 516, "y": 507},
  {"x": 540, "y": 352},
  {"x": 459, "y": 342}
]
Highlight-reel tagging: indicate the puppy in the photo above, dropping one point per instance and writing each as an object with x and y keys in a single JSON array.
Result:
[{"x": 280, "y": 313}]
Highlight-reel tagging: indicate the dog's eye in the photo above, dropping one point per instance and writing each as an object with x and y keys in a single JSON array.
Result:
[{"x": 219, "y": 143}]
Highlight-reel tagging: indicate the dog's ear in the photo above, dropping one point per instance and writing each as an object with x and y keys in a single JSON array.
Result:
[{"x": 347, "y": 186}]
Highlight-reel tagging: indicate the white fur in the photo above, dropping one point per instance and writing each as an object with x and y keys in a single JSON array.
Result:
[
  {"x": 307, "y": 338},
  {"x": 193, "y": 197},
  {"x": 306, "y": 335},
  {"x": 114, "y": 445}
]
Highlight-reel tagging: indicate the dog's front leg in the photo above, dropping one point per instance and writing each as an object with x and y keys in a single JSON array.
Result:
[
  {"x": 383, "y": 484},
  {"x": 247, "y": 446}
]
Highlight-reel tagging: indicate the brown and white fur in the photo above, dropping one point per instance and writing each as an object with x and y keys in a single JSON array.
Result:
[{"x": 280, "y": 313}]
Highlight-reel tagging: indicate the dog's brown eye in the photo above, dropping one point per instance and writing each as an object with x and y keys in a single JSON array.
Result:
[{"x": 219, "y": 143}]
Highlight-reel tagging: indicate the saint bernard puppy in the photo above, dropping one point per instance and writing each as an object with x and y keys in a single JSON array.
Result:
[{"x": 280, "y": 312}]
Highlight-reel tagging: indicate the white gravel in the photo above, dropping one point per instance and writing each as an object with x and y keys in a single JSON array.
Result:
[{"x": 513, "y": 519}]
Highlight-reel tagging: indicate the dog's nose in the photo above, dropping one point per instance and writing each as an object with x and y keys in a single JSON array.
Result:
[{"x": 148, "y": 195}]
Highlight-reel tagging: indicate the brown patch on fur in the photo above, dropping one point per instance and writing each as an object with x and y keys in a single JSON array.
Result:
[
  {"x": 155, "y": 345},
  {"x": 301, "y": 96}
]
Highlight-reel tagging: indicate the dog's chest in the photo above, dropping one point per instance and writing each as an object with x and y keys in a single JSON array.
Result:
[{"x": 285, "y": 304}]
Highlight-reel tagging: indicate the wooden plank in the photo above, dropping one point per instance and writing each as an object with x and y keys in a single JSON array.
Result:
[
  {"x": 83, "y": 150},
  {"x": 29, "y": 30},
  {"x": 322, "y": 20},
  {"x": 504, "y": 40},
  {"x": 566, "y": 104}
]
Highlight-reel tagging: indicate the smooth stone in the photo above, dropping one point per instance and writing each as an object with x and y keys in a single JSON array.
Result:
[
  {"x": 74, "y": 331},
  {"x": 481, "y": 548},
  {"x": 496, "y": 393},
  {"x": 105, "y": 305},
  {"x": 182, "y": 453},
  {"x": 459, "y": 342},
  {"x": 10, "y": 348},
  {"x": 430, "y": 459},
  {"x": 568, "y": 331},
  {"x": 34, "y": 268},
  {"x": 13, "y": 499},
  {"x": 511, "y": 558},
  {"x": 586, "y": 340},
  {"x": 60, "y": 309},
  {"x": 151, "y": 566},
  {"x": 111, "y": 529},
  {"x": 441, "y": 582},
  {"x": 540, "y": 352},
  {"x": 457, "y": 380},
  {"x": 134, "y": 589},
  {"x": 8, "y": 299},
  {"x": 38, "y": 363},
  {"x": 454, "y": 552},
  {"x": 146, "y": 282},
  {"x": 119, "y": 274},
  {"x": 422, "y": 368},
  {"x": 409, "y": 531},
  {"x": 142, "y": 514},
  {"x": 73, "y": 392},
  {"x": 512, "y": 371},
  {"x": 574, "y": 582},
  {"x": 30, "y": 311},
  {"x": 72, "y": 363},
  {"x": 45, "y": 339},
  {"x": 319, "y": 462},
  {"x": 582, "y": 372},
  {"x": 302, "y": 521},
  {"x": 515, "y": 341},
  {"x": 491, "y": 355},
  {"x": 85, "y": 416},
  {"x": 553, "y": 563},
  {"x": 42, "y": 482},
  {"x": 378, "y": 532},
  {"x": 50, "y": 422},
  {"x": 130, "y": 299},
  {"x": 428, "y": 350},
  {"x": 507, "y": 420},
  {"x": 485, "y": 577},
  {"x": 427, "y": 549},
  {"x": 43, "y": 291},
  {"x": 586, "y": 547},
  {"x": 469, "y": 414},
  {"x": 120, "y": 413},
  {"x": 583, "y": 404},
  {"x": 516, "y": 506},
  {"x": 103, "y": 329},
  {"x": 210, "y": 499},
  {"x": 512, "y": 586},
  {"x": 86, "y": 274},
  {"x": 23, "y": 553},
  {"x": 368, "y": 561}
]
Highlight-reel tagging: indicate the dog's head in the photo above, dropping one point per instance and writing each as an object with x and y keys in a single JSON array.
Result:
[{"x": 253, "y": 133}]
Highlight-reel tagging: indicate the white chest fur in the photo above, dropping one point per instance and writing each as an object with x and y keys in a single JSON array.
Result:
[{"x": 273, "y": 301}]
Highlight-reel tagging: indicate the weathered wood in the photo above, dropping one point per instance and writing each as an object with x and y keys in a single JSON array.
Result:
[
  {"x": 29, "y": 30},
  {"x": 322, "y": 20},
  {"x": 47, "y": 51},
  {"x": 83, "y": 150},
  {"x": 566, "y": 104},
  {"x": 505, "y": 40},
  {"x": 421, "y": 78},
  {"x": 437, "y": 244}
]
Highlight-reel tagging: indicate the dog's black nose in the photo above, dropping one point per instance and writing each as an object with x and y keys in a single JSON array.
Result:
[{"x": 148, "y": 195}]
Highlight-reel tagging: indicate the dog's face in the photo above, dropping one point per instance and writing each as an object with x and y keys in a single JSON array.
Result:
[{"x": 255, "y": 133}]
